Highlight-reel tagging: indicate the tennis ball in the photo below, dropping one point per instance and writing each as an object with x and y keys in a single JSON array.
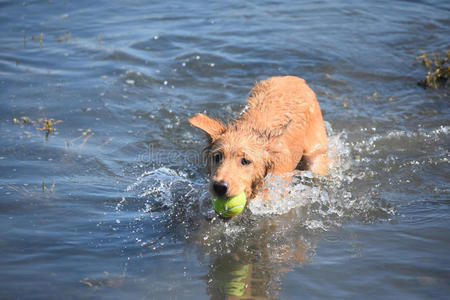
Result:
[{"x": 229, "y": 207}]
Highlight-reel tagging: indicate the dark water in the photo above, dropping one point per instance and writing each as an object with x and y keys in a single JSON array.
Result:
[{"x": 109, "y": 200}]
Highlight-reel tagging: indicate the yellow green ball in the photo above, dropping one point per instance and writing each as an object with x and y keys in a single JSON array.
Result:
[{"x": 229, "y": 207}]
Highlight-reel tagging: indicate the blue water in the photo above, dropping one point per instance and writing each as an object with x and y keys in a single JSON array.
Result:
[{"x": 110, "y": 201}]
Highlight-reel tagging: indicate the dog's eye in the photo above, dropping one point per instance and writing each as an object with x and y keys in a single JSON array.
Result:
[
  {"x": 245, "y": 161},
  {"x": 217, "y": 157}
]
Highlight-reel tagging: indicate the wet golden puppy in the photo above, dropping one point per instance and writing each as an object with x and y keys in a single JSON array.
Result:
[{"x": 281, "y": 129}]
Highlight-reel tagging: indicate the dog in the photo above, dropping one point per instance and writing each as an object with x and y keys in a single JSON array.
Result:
[{"x": 280, "y": 130}]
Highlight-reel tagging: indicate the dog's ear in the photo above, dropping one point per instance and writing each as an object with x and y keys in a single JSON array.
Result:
[{"x": 211, "y": 127}]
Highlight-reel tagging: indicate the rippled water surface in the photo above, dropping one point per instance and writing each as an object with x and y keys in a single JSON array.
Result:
[{"x": 103, "y": 193}]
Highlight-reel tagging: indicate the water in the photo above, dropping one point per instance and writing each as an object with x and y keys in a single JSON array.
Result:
[{"x": 113, "y": 202}]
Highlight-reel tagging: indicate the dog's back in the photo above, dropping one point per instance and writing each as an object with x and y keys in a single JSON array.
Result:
[{"x": 288, "y": 104}]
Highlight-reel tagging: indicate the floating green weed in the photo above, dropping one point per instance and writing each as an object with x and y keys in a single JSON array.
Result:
[
  {"x": 45, "y": 125},
  {"x": 438, "y": 70}
]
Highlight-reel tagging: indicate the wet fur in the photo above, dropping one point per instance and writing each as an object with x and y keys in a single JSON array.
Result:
[{"x": 282, "y": 128}]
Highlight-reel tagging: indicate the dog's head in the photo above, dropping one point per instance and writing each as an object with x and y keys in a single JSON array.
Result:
[{"x": 238, "y": 157}]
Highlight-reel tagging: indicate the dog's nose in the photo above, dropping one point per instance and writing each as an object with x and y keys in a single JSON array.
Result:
[{"x": 220, "y": 188}]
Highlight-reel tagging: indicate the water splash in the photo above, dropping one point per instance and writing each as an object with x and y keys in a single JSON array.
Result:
[
  {"x": 320, "y": 203},
  {"x": 169, "y": 203},
  {"x": 159, "y": 185}
]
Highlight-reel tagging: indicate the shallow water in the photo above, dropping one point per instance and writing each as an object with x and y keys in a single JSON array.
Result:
[{"x": 112, "y": 202}]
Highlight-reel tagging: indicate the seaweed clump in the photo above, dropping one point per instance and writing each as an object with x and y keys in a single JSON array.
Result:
[
  {"x": 438, "y": 70},
  {"x": 48, "y": 125}
]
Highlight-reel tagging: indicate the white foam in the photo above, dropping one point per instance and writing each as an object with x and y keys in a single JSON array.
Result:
[{"x": 323, "y": 200}]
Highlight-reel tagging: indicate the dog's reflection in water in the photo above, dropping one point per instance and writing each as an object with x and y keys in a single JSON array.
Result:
[{"x": 251, "y": 266}]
